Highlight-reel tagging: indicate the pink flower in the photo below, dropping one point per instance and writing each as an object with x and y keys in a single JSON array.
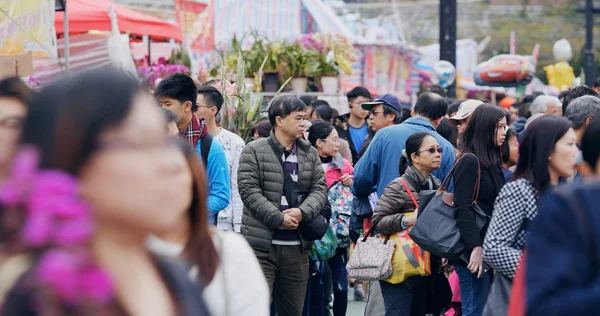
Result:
[
  {"x": 25, "y": 163},
  {"x": 96, "y": 285},
  {"x": 38, "y": 229},
  {"x": 11, "y": 195},
  {"x": 58, "y": 270},
  {"x": 73, "y": 232},
  {"x": 55, "y": 182}
]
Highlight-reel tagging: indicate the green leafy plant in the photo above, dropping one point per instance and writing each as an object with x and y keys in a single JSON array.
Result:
[
  {"x": 241, "y": 109},
  {"x": 300, "y": 61}
]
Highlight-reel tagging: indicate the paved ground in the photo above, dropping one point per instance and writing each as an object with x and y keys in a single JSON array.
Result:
[{"x": 355, "y": 308}]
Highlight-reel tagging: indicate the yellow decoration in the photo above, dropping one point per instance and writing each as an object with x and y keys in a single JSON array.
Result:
[
  {"x": 27, "y": 26},
  {"x": 560, "y": 74}
]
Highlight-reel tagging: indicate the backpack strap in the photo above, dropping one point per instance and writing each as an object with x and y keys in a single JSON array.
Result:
[{"x": 205, "y": 143}]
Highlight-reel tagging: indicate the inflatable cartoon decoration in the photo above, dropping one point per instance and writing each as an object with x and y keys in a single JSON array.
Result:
[
  {"x": 444, "y": 72},
  {"x": 561, "y": 74},
  {"x": 505, "y": 71}
]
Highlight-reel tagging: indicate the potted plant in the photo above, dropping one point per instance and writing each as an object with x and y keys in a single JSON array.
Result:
[
  {"x": 272, "y": 66},
  {"x": 301, "y": 62},
  {"x": 337, "y": 54},
  {"x": 241, "y": 109}
]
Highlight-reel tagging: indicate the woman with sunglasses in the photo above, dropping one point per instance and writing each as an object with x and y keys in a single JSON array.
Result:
[
  {"x": 482, "y": 139},
  {"x": 396, "y": 212}
]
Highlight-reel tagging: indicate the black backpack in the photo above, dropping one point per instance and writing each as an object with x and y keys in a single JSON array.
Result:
[{"x": 205, "y": 143}]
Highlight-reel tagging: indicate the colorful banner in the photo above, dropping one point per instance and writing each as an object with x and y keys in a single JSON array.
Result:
[
  {"x": 387, "y": 70},
  {"x": 27, "y": 26},
  {"x": 197, "y": 23}
]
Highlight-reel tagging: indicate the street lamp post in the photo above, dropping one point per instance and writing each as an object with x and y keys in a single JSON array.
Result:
[
  {"x": 588, "y": 53},
  {"x": 448, "y": 37}
]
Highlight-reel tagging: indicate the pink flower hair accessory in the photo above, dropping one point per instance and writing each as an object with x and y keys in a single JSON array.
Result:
[{"x": 58, "y": 223}]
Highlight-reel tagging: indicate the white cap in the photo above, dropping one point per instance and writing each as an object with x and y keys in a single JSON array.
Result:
[{"x": 466, "y": 109}]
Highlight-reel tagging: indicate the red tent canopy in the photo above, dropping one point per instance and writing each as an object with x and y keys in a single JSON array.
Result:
[{"x": 87, "y": 15}]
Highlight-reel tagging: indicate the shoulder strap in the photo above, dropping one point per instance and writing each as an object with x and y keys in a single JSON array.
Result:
[
  {"x": 286, "y": 175},
  {"x": 205, "y": 143},
  {"x": 444, "y": 185},
  {"x": 412, "y": 197}
]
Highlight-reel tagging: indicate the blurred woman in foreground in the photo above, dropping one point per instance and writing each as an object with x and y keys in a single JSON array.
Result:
[{"x": 108, "y": 177}]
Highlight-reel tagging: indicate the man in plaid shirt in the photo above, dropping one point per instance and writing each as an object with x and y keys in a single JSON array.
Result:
[{"x": 178, "y": 93}]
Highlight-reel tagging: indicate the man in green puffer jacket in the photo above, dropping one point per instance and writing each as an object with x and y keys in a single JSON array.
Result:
[{"x": 268, "y": 223}]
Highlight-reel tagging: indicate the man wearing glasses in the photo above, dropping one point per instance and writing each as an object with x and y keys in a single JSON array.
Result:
[
  {"x": 353, "y": 127},
  {"x": 383, "y": 112}
]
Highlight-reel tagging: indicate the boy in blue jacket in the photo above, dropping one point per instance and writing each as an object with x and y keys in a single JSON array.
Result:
[{"x": 178, "y": 93}]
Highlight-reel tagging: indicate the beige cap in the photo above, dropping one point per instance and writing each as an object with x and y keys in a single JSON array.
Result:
[{"x": 466, "y": 109}]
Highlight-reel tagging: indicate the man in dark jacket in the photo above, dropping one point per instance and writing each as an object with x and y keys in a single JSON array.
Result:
[
  {"x": 353, "y": 126},
  {"x": 270, "y": 222}
]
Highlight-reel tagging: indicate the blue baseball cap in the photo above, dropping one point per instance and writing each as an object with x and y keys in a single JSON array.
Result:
[{"x": 389, "y": 99}]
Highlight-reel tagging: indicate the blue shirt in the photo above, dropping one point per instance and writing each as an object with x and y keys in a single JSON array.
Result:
[
  {"x": 217, "y": 172},
  {"x": 381, "y": 162},
  {"x": 507, "y": 174},
  {"x": 358, "y": 136}
]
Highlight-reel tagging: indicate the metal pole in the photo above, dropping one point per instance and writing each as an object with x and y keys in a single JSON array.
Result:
[
  {"x": 149, "y": 51},
  {"x": 448, "y": 37},
  {"x": 589, "y": 43},
  {"x": 66, "y": 38}
]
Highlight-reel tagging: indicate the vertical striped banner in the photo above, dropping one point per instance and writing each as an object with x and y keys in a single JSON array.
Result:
[{"x": 274, "y": 19}]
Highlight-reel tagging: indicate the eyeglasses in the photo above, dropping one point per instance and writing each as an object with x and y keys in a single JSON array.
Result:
[
  {"x": 335, "y": 141},
  {"x": 432, "y": 150},
  {"x": 374, "y": 113}
]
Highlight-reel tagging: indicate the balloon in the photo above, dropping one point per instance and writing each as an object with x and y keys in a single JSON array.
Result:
[
  {"x": 444, "y": 72},
  {"x": 560, "y": 74},
  {"x": 562, "y": 50}
]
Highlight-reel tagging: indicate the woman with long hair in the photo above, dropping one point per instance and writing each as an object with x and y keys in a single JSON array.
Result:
[
  {"x": 547, "y": 153},
  {"x": 324, "y": 137},
  {"x": 234, "y": 280},
  {"x": 396, "y": 211},
  {"x": 485, "y": 133},
  {"x": 108, "y": 177}
]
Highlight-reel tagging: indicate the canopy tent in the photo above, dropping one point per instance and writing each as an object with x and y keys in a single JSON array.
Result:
[
  {"x": 88, "y": 15},
  {"x": 274, "y": 19}
]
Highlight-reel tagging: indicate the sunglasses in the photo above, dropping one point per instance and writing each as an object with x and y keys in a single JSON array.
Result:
[{"x": 433, "y": 150}]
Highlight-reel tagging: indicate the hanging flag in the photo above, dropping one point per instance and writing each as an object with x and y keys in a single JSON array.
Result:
[
  {"x": 535, "y": 54},
  {"x": 513, "y": 42},
  {"x": 196, "y": 18},
  {"x": 27, "y": 26}
]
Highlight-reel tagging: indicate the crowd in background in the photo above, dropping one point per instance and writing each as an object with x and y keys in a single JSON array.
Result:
[{"x": 111, "y": 205}]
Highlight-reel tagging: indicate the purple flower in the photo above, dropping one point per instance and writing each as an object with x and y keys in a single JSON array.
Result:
[
  {"x": 96, "y": 285},
  {"x": 38, "y": 229},
  {"x": 25, "y": 164},
  {"x": 74, "y": 232},
  {"x": 55, "y": 182},
  {"x": 11, "y": 195},
  {"x": 58, "y": 269}
]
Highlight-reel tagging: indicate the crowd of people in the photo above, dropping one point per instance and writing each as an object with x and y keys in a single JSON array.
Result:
[{"x": 111, "y": 205}]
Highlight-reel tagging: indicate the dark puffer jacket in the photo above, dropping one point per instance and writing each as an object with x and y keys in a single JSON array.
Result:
[
  {"x": 395, "y": 201},
  {"x": 260, "y": 183}
]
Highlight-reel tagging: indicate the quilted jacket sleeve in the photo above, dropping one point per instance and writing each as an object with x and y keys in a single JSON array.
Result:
[
  {"x": 251, "y": 193},
  {"x": 314, "y": 202},
  {"x": 389, "y": 211}
]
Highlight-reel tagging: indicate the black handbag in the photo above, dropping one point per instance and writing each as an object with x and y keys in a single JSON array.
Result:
[
  {"x": 295, "y": 196},
  {"x": 436, "y": 229}
]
